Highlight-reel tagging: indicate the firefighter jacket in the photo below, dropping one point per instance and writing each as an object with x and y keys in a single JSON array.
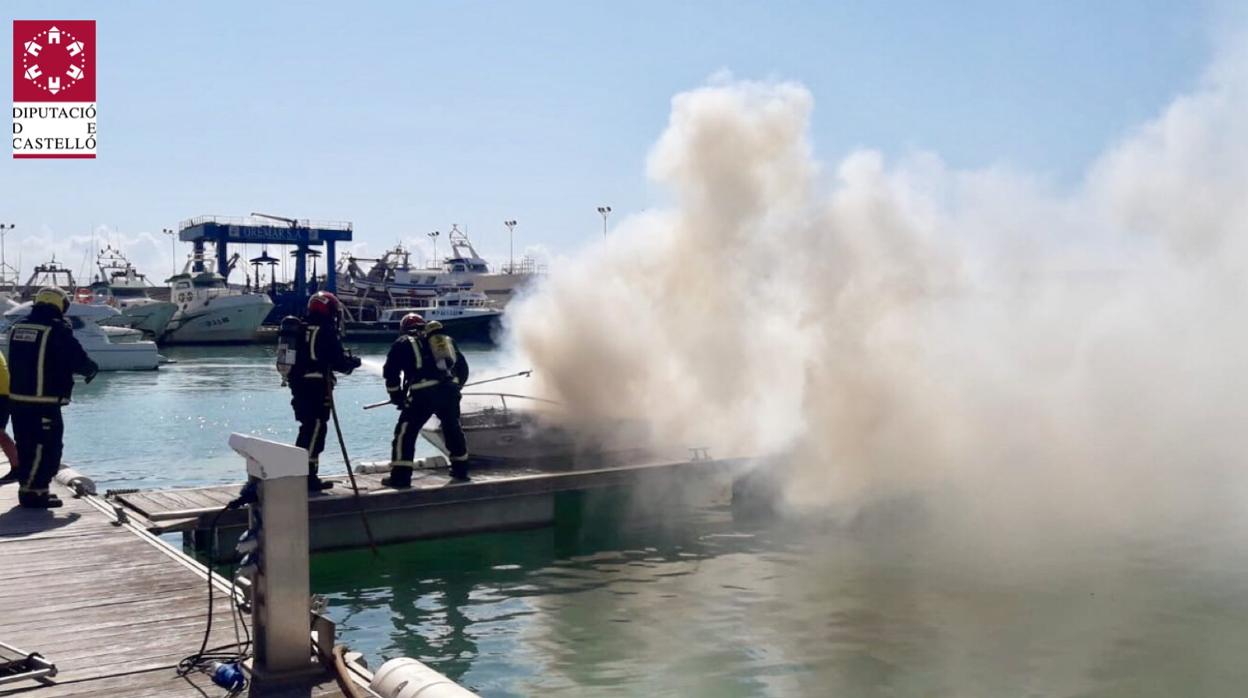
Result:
[
  {"x": 43, "y": 357},
  {"x": 411, "y": 364},
  {"x": 320, "y": 353}
]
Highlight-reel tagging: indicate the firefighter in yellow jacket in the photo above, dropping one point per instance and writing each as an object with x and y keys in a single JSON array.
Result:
[
  {"x": 44, "y": 356},
  {"x": 6, "y": 444}
]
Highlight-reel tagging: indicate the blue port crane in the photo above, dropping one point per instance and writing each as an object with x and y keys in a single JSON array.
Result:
[{"x": 303, "y": 234}]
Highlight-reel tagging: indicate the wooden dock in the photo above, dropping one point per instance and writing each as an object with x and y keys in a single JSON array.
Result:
[
  {"x": 113, "y": 607},
  {"x": 497, "y": 498}
]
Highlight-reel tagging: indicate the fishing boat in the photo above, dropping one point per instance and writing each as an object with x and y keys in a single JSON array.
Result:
[
  {"x": 393, "y": 281},
  {"x": 542, "y": 432},
  {"x": 391, "y": 278},
  {"x": 121, "y": 286},
  {"x": 50, "y": 273},
  {"x": 112, "y": 348},
  {"x": 465, "y": 315},
  {"x": 209, "y": 311}
]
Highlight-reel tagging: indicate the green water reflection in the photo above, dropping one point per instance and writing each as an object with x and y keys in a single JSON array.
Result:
[{"x": 705, "y": 604}]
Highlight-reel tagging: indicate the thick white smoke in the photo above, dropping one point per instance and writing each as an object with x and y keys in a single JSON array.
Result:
[{"x": 904, "y": 327}]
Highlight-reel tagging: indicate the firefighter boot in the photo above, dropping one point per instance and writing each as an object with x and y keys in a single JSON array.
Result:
[
  {"x": 43, "y": 500},
  {"x": 400, "y": 477}
]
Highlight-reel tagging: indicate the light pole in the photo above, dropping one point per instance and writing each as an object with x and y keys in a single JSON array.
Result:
[
  {"x": 4, "y": 266},
  {"x": 511, "y": 247},
  {"x": 173, "y": 250},
  {"x": 434, "y": 236},
  {"x": 605, "y": 211}
]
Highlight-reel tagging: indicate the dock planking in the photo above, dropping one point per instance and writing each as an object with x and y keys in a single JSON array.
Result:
[
  {"x": 498, "y": 498},
  {"x": 112, "y": 607}
]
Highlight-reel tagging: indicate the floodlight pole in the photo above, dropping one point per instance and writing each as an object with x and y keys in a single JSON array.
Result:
[
  {"x": 173, "y": 250},
  {"x": 434, "y": 236},
  {"x": 511, "y": 247},
  {"x": 4, "y": 266},
  {"x": 605, "y": 211}
]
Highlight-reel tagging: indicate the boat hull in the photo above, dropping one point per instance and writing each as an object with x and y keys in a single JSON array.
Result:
[
  {"x": 150, "y": 318},
  {"x": 220, "y": 323},
  {"x": 134, "y": 356},
  {"x": 479, "y": 329},
  {"x": 128, "y": 356},
  {"x": 515, "y": 437}
]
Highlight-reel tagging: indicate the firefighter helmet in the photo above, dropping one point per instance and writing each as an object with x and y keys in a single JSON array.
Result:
[
  {"x": 51, "y": 295},
  {"x": 323, "y": 304},
  {"x": 411, "y": 323}
]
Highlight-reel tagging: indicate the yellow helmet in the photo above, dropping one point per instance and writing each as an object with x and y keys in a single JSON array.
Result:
[
  {"x": 432, "y": 326},
  {"x": 52, "y": 295}
]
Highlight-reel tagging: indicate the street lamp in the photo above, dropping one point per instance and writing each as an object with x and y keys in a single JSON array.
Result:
[
  {"x": 173, "y": 249},
  {"x": 4, "y": 267},
  {"x": 605, "y": 211},
  {"x": 434, "y": 236},
  {"x": 511, "y": 247}
]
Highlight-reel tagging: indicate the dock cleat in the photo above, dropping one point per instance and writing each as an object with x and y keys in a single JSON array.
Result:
[{"x": 39, "y": 501}]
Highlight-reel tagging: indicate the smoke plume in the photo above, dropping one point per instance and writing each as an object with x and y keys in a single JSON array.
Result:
[{"x": 903, "y": 327}]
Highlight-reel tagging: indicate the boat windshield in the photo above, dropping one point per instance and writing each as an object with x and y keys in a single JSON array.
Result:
[
  {"x": 128, "y": 292},
  {"x": 467, "y": 264}
]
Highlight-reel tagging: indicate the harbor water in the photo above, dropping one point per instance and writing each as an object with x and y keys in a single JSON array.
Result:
[{"x": 703, "y": 603}]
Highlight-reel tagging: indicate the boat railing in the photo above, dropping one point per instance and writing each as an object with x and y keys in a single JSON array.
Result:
[
  {"x": 503, "y": 398},
  {"x": 525, "y": 265}
]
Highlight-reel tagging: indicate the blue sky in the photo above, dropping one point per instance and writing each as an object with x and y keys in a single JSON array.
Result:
[{"x": 405, "y": 117}]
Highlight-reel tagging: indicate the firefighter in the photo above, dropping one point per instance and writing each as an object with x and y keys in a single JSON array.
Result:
[
  {"x": 423, "y": 373},
  {"x": 45, "y": 356},
  {"x": 319, "y": 353}
]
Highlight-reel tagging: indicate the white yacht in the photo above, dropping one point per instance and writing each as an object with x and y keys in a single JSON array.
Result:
[
  {"x": 121, "y": 286},
  {"x": 210, "y": 312},
  {"x": 112, "y": 348}
]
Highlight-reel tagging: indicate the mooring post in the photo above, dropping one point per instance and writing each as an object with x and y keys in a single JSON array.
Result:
[{"x": 281, "y": 606}]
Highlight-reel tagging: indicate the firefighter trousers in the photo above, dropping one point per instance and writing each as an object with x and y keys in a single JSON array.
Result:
[
  {"x": 311, "y": 399},
  {"x": 39, "y": 432},
  {"x": 441, "y": 400}
]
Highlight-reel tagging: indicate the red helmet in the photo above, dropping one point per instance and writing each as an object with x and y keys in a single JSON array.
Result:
[
  {"x": 411, "y": 322},
  {"x": 323, "y": 304}
]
